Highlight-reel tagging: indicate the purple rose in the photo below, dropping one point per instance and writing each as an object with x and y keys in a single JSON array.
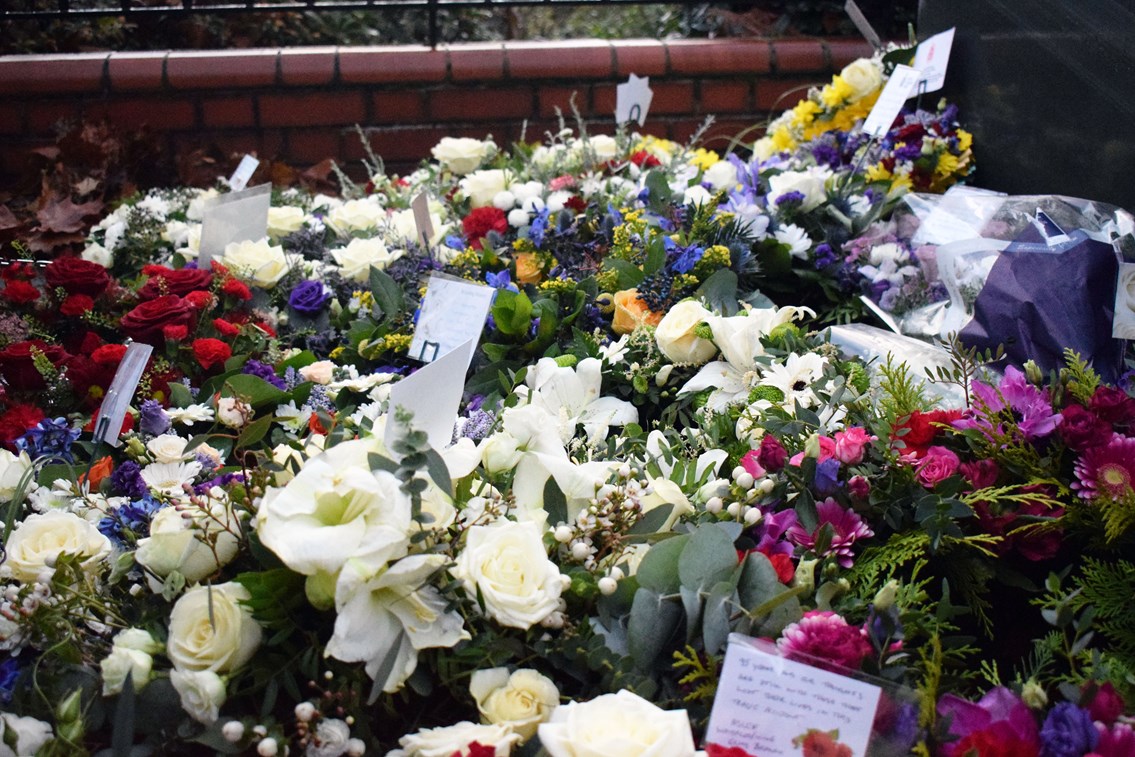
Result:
[{"x": 309, "y": 297}]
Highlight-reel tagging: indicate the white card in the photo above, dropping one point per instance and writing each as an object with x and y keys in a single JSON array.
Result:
[
  {"x": 108, "y": 423},
  {"x": 421, "y": 207},
  {"x": 862, "y": 24},
  {"x": 452, "y": 312},
  {"x": 433, "y": 395},
  {"x": 887, "y": 319},
  {"x": 894, "y": 96},
  {"x": 632, "y": 100},
  {"x": 931, "y": 58},
  {"x": 234, "y": 217},
  {"x": 243, "y": 172},
  {"x": 765, "y": 701},
  {"x": 1123, "y": 326}
]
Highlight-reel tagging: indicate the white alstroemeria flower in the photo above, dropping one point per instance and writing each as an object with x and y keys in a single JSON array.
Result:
[
  {"x": 291, "y": 417},
  {"x": 739, "y": 339},
  {"x": 571, "y": 395},
  {"x": 385, "y": 617},
  {"x": 795, "y": 238},
  {"x": 615, "y": 352},
  {"x": 659, "y": 452},
  {"x": 190, "y": 415},
  {"x": 170, "y": 478},
  {"x": 356, "y": 383},
  {"x": 795, "y": 377}
]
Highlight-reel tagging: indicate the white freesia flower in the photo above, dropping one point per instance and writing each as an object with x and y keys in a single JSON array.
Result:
[
  {"x": 443, "y": 742},
  {"x": 44, "y": 537},
  {"x": 520, "y": 700},
  {"x": 572, "y": 396},
  {"x": 202, "y": 693},
  {"x": 385, "y": 615},
  {"x": 617, "y": 725},
  {"x": 209, "y": 629},
  {"x": 356, "y": 259},
  {"x": 462, "y": 155},
  {"x": 12, "y": 470},
  {"x": 506, "y": 565},
  {"x": 261, "y": 263},
  {"x": 356, "y": 215}
]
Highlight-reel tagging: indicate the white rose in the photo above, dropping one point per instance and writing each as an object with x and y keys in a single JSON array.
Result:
[
  {"x": 359, "y": 255},
  {"x": 43, "y": 537},
  {"x": 811, "y": 183},
  {"x": 482, "y": 186},
  {"x": 137, "y": 638},
  {"x": 402, "y": 226},
  {"x": 501, "y": 452},
  {"x": 666, "y": 492},
  {"x": 233, "y": 412},
  {"x": 864, "y": 76},
  {"x": 331, "y": 737},
  {"x": 319, "y": 372},
  {"x": 721, "y": 175},
  {"x": 676, "y": 338},
  {"x": 202, "y": 693},
  {"x": 443, "y": 742},
  {"x": 603, "y": 147},
  {"x": 167, "y": 448},
  {"x": 461, "y": 155},
  {"x": 121, "y": 662},
  {"x": 26, "y": 734},
  {"x": 261, "y": 263},
  {"x": 521, "y": 700},
  {"x": 218, "y": 635},
  {"x": 696, "y": 195},
  {"x": 505, "y": 563},
  {"x": 617, "y": 725},
  {"x": 196, "y": 546},
  {"x": 356, "y": 215},
  {"x": 12, "y": 469},
  {"x": 284, "y": 220}
]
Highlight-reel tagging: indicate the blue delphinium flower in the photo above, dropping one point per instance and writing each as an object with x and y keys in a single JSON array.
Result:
[
  {"x": 126, "y": 524},
  {"x": 687, "y": 258},
  {"x": 51, "y": 436},
  {"x": 538, "y": 228}
]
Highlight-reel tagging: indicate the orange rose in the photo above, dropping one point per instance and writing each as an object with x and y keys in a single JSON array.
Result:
[
  {"x": 631, "y": 312},
  {"x": 527, "y": 268}
]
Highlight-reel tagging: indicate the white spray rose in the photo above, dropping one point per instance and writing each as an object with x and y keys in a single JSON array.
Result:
[
  {"x": 43, "y": 537},
  {"x": 218, "y": 635},
  {"x": 617, "y": 725},
  {"x": 676, "y": 338},
  {"x": 319, "y": 372},
  {"x": 521, "y": 700},
  {"x": 462, "y": 155},
  {"x": 167, "y": 448},
  {"x": 202, "y": 693},
  {"x": 810, "y": 182},
  {"x": 482, "y": 186},
  {"x": 356, "y": 259},
  {"x": 120, "y": 663}
]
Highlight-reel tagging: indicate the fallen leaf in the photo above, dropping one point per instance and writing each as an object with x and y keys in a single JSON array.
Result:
[
  {"x": 86, "y": 186},
  {"x": 8, "y": 219},
  {"x": 64, "y": 216}
]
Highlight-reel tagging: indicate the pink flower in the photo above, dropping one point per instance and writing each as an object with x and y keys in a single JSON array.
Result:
[
  {"x": 826, "y": 451},
  {"x": 1105, "y": 704},
  {"x": 938, "y": 465},
  {"x": 851, "y": 444},
  {"x": 1117, "y": 741},
  {"x": 847, "y": 528},
  {"x": 999, "y": 724},
  {"x": 752, "y": 464},
  {"x": 771, "y": 454},
  {"x": 826, "y": 636},
  {"x": 1107, "y": 470},
  {"x": 980, "y": 473},
  {"x": 859, "y": 487}
]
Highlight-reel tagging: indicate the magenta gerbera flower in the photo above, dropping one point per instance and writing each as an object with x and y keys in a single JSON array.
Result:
[
  {"x": 822, "y": 635},
  {"x": 847, "y": 528},
  {"x": 1107, "y": 470}
]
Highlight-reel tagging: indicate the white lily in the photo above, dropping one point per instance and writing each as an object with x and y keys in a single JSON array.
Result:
[{"x": 572, "y": 396}]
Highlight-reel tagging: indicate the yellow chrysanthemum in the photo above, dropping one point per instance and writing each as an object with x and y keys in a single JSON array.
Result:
[
  {"x": 877, "y": 172},
  {"x": 947, "y": 164},
  {"x": 965, "y": 140},
  {"x": 704, "y": 158}
]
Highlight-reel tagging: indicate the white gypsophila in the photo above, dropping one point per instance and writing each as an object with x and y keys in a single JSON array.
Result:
[
  {"x": 202, "y": 693},
  {"x": 617, "y": 725},
  {"x": 795, "y": 238},
  {"x": 444, "y": 741}
]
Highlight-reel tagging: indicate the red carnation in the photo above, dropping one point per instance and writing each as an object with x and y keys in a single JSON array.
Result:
[
  {"x": 210, "y": 352},
  {"x": 20, "y": 292},
  {"x": 237, "y": 289},
  {"x": 76, "y": 304},
  {"x": 109, "y": 354},
  {"x": 199, "y": 300},
  {"x": 480, "y": 222},
  {"x": 175, "y": 332},
  {"x": 17, "y": 420},
  {"x": 224, "y": 328},
  {"x": 576, "y": 203}
]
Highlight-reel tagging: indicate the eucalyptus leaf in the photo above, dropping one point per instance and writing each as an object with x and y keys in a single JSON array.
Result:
[
  {"x": 658, "y": 570},
  {"x": 555, "y": 503},
  {"x": 652, "y": 624},
  {"x": 708, "y": 557},
  {"x": 715, "y": 616},
  {"x": 720, "y": 291},
  {"x": 691, "y": 605}
]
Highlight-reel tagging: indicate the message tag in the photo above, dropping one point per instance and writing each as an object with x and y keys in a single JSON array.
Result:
[
  {"x": 452, "y": 312},
  {"x": 899, "y": 88},
  {"x": 769, "y": 705},
  {"x": 1123, "y": 326},
  {"x": 887, "y": 319},
  {"x": 421, "y": 207},
  {"x": 632, "y": 100},
  {"x": 234, "y": 217},
  {"x": 108, "y": 423},
  {"x": 243, "y": 172},
  {"x": 433, "y": 395},
  {"x": 862, "y": 24},
  {"x": 930, "y": 58}
]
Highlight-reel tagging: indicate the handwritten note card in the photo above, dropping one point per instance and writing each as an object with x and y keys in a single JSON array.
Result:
[
  {"x": 765, "y": 703},
  {"x": 632, "y": 100},
  {"x": 234, "y": 217},
  {"x": 243, "y": 172},
  {"x": 453, "y": 311},
  {"x": 899, "y": 87},
  {"x": 931, "y": 58}
]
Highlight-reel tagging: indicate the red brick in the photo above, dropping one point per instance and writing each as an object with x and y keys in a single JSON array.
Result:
[
  {"x": 720, "y": 56},
  {"x": 52, "y": 73},
  {"x": 42, "y": 116},
  {"x": 844, "y": 51},
  {"x": 310, "y": 66},
  {"x": 777, "y": 95},
  {"x": 798, "y": 55},
  {"x": 560, "y": 97},
  {"x": 136, "y": 71},
  {"x": 11, "y": 118},
  {"x": 476, "y": 61},
  {"x": 398, "y": 107},
  {"x": 726, "y": 97},
  {"x": 480, "y": 105},
  {"x": 244, "y": 142},
  {"x": 370, "y": 65},
  {"x": 315, "y": 109},
  {"x": 669, "y": 97},
  {"x": 311, "y": 146},
  {"x": 728, "y": 134},
  {"x": 228, "y": 111},
  {"x": 641, "y": 57},
  {"x": 566, "y": 59},
  {"x": 163, "y": 115},
  {"x": 394, "y": 145},
  {"x": 221, "y": 69}
]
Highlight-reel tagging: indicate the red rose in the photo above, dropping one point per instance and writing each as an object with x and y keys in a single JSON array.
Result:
[
  {"x": 76, "y": 304},
  {"x": 146, "y": 321},
  {"x": 480, "y": 222},
  {"x": 237, "y": 289},
  {"x": 109, "y": 354},
  {"x": 180, "y": 282},
  {"x": 17, "y": 420},
  {"x": 643, "y": 159},
  {"x": 199, "y": 300},
  {"x": 153, "y": 269},
  {"x": 20, "y": 292},
  {"x": 18, "y": 368},
  {"x": 86, "y": 375},
  {"x": 77, "y": 276},
  {"x": 210, "y": 352},
  {"x": 923, "y": 427}
]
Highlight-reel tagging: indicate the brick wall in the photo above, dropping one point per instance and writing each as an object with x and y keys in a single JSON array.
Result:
[{"x": 301, "y": 104}]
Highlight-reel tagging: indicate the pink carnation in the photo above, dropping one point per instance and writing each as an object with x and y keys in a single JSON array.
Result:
[{"x": 826, "y": 636}]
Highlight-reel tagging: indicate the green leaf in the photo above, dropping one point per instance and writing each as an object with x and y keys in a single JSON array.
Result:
[
  {"x": 512, "y": 312},
  {"x": 707, "y": 558},
  {"x": 253, "y": 432},
  {"x": 691, "y": 606},
  {"x": 437, "y": 470},
  {"x": 179, "y": 395},
  {"x": 659, "y": 188},
  {"x": 388, "y": 298},
  {"x": 715, "y": 616},
  {"x": 655, "y": 256},
  {"x": 122, "y": 737},
  {"x": 759, "y": 582},
  {"x": 630, "y": 275},
  {"x": 658, "y": 571},
  {"x": 720, "y": 291},
  {"x": 253, "y": 390},
  {"x": 653, "y": 521},
  {"x": 555, "y": 503},
  {"x": 652, "y": 624}
]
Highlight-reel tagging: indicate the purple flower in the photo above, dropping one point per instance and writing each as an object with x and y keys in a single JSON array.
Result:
[
  {"x": 1117, "y": 741},
  {"x": 50, "y": 438},
  {"x": 1027, "y": 404},
  {"x": 126, "y": 480},
  {"x": 1000, "y": 720},
  {"x": 846, "y": 525},
  {"x": 1067, "y": 732},
  {"x": 309, "y": 297},
  {"x": 152, "y": 419},
  {"x": 775, "y": 525},
  {"x": 826, "y": 481},
  {"x": 1107, "y": 470},
  {"x": 264, "y": 371}
]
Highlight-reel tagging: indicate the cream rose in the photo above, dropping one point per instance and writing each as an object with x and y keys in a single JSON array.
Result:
[
  {"x": 43, "y": 537},
  {"x": 194, "y": 542},
  {"x": 482, "y": 186},
  {"x": 507, "y": 564},
  {"x": 676, "y": 338},
  {"x": 521, "y": 700},
  {"x": 462, "y": 155},
  {"x": 167, "y": 448},
  {"x": 444, "y": 742},
  {"x": 617, "y": 725},
  {"x": 603, "y": 147},
  {"x": 319, "y": 372},
  {"x": 202, "y": 693},
  {"x": 811, "y": 183},
  {"x": 218, "y": 635},
  {"x": 864, "y": 76},
  {"x": 12, "y": 470},
  {"x": 261, "y": 263},
  {"x": 359, "y": 255},
  {"x": 356, "y": 215},
  {"x": 120, "y": 663},
  {"x": 402, "y": 226},
  {"x": 25, "y": 734},
  {"x": 284, "y": 220}
]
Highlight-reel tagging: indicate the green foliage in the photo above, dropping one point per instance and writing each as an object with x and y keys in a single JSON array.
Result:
[
  {"x": 1080, "y": 379},
  {"x": 1108, "y": 588}
]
